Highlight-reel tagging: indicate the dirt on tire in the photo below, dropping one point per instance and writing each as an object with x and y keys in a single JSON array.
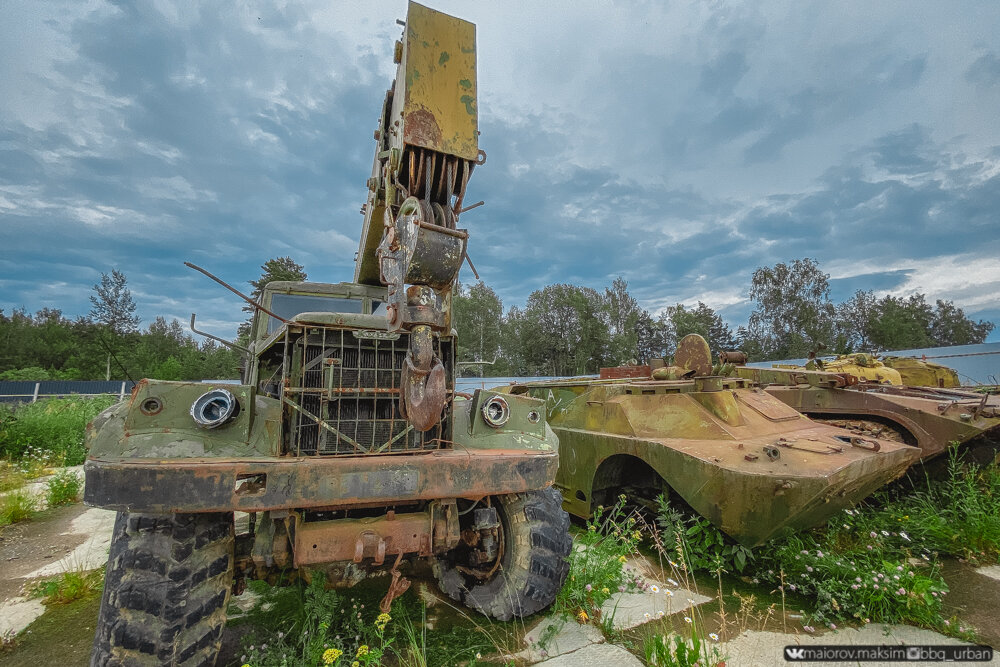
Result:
[
  {"x": 533, "y": 566},
  {"x": 166, "y": 588}
]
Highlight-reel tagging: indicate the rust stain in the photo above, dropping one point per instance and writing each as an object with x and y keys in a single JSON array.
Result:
[{"x": 421, "y": 128}]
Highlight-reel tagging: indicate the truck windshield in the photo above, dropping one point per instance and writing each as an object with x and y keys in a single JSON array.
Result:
[{"x": 290, "y": 305}]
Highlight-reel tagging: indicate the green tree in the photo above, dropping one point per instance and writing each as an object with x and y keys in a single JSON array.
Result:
[
  {"x": 950, "y": 326},
  {"x": 654, "y": 337},
  {"x": 622, "y": 313},
  {"x": 855, "y": 320},
  {"x": 901, "y": 323},
  {"x": 478, "y": 317},
  {"x": 704, "y": 321},
  {"x": 793, "y": 312},
  {"x": 562, "y": 331},
  {"x": 113, "y": 305},
  {"x": 113, "y": 308},
  {"x": 277, "y": 268}
]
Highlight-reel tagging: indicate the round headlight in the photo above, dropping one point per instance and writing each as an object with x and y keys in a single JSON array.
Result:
[
  {"x": 214, "y": 408},
  {"x": 496, "y": 412}
]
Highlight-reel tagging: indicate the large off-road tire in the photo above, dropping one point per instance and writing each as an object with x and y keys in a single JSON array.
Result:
[
  {"x": 166, "y": 589},
  {"x": 533, "y": 567}
]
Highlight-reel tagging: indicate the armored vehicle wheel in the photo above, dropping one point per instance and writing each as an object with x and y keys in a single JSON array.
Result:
[
  {"x": 531, "y": 564},
  {"x": 165, "y": 590}
]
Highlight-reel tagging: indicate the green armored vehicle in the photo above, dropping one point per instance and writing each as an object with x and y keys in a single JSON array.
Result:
[
  {"x": 930, "y": 418},
  {"x": 345, "y": 442},
  {"x": 736, "y": 455}
]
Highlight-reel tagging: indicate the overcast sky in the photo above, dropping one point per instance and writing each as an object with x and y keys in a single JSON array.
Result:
[{"x": 677, "y": 144}]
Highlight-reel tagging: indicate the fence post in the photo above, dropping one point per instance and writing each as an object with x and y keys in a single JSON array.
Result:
[
  {"x": 34, "y": 397},
  {"x": 121, "y": 395}
]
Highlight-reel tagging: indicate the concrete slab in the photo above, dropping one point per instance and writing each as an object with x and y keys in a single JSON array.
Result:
[
  {"x": 16, "y": 614},
  {"x": 767, "y": 648},
  {"x": 593, "y": 655},
  {"x": 628, "y": 610},
  {"x": 555, "y": 636},
  {"x": 993, "y": 572},
  {"x": 96, "y": 524}
]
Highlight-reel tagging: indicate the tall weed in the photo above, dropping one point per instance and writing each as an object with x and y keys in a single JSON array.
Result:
[
  {"x": 17, "y": 505},
  {"x": 597, "y": 562},
  {"x": 50, "y": 429}
]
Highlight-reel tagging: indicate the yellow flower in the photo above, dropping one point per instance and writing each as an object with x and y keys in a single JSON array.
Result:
[
  {"x": 582, "y": 616},
  {"x": 605, "y": 590},
  {"x": 355, "y": 664},
  {"x": 621, "y": 559},
  {"x": 383, "y": 618},
  {"x": 331, "y": 655},
  {"x": 363, "y": 650},
  {"x": 637, "y": 535}
]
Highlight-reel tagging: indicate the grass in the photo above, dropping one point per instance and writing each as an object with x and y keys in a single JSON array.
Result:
[
  {"x": 11, "y": 477},
  {"x": 63, "y": 488},
  {"x": 48, "y": 432},
  {"x": 67, "y": 587},
  {"x": 597, "y": 563},
  {"x": 878, "y": 562},
  {"x": 299, "y": 624},
  {"x": 17, "y": 505}
]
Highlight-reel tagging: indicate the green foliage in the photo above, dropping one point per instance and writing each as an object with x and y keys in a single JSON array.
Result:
[
  {"x": 11, "y": 477},
  {"x": 597, "y": 562},
  {"x": 113, "y": 305},
  {"x": 63, "y": 488},
  {"x": 324, "y": 628},
  {"x": 960, "y": 515},
  {"x": 47, "y": 346},
  {"x": 793, "y": 311},
  {"x": 704, "y": 321},
  {"x": 678, "y": 651},
  {"x": 17, "y": 505},
  {"x": 67, "y": 587},
  {"x": 876, "y": 562},
  {"x": 49, "y": 432},
  {"x": 705, "y": 548},
  {"x": 274, "y": 269},
  {"x": 794, "y": 315},
  {"x": 477, "y": 316},
  {"x": 561, "y": 331}
]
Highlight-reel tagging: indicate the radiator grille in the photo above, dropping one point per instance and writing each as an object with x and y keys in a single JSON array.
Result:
[{"x": 346, "y": 383}]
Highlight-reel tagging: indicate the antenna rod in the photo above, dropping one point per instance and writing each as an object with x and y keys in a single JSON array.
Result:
[
  {"x": 216, "y": 338},
  {"x": 236, "y": 292}
]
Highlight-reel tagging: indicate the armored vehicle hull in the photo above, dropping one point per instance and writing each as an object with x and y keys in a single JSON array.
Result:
[
  {"x": 929, "y": 418},
  {"x": 738, "y": 456}
]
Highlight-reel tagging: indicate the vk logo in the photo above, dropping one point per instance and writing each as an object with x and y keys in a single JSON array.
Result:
[{"x": 792, "y": 653}]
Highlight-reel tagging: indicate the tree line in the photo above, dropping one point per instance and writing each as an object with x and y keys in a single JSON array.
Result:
[
  {"x": 561, "y": 330},
  {"x": 572, "y": 330},
  {"x": 106, "y": 344}
]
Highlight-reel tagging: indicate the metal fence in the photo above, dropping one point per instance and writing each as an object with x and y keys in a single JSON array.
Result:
[{"x": 28, "y": 391}]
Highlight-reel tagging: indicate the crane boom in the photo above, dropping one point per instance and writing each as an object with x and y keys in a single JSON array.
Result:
[{"x": 427, "y": 147}]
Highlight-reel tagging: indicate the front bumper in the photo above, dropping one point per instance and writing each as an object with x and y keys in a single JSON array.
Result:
[{"x": 222, "y": 485}]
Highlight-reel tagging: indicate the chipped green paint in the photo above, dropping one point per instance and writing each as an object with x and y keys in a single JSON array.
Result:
[
  {"x": 465, "y": 83},
  {"x": 470, "y": 104},
  {"x": 444, "y": 58},
  {"x": 710, "y": 446}
]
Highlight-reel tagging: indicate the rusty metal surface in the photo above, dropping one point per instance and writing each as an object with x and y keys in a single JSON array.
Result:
[
  {"x": 933, "y": 418},
  {"x": 214, "y": 485},
  {"x": 365, "y": 538},
  {"x": 694, "y": 354},
  {"x": 736, "y": 455}
]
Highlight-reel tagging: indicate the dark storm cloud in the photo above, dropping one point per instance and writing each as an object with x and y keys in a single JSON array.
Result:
[
  {"x": 985, "y": 71},
  {"x": 679, "y": 151}
]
